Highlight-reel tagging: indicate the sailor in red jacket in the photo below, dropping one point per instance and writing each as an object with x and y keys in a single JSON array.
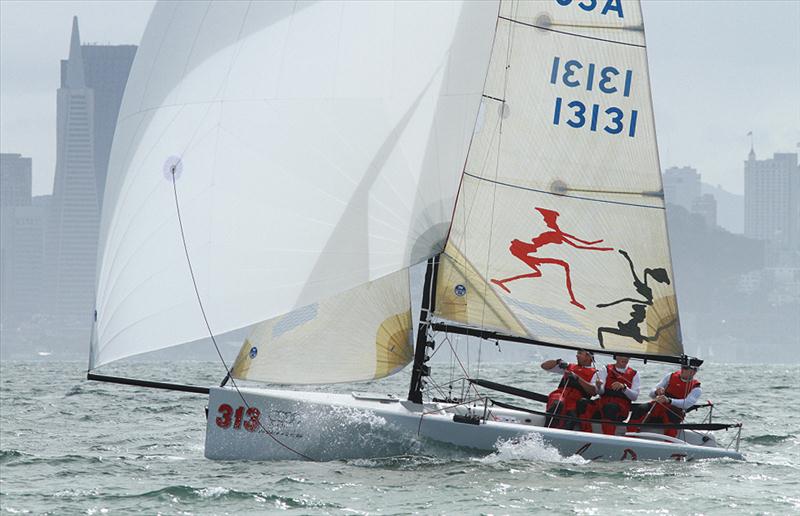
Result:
[
  {"x": 572, "y": 397},
  {"x": 618, "y": 386},
  {"x": 673, "y": 395}
]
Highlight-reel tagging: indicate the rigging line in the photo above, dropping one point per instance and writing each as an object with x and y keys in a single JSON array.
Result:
[
  {"x": 435, "y": 386},
  {"x": 466, "y": 373},
  {"x": 208, "y": 325},
  {"x": 682, "y": 426},
  {"x": 506, "y": 73},
  {"x": 529, "y": 189},
  {"x": 461, "y": 190},
  {"x": 571, "y": 33},
  {"x": 472, "y": 136}
]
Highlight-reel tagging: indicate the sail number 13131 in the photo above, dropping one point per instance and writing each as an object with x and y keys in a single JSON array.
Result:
[
  {"x": 611, "y": 81},
  {"x": 240, "y": 417}
]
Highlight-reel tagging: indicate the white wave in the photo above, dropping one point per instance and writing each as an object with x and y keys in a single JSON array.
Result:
[
  {"x": 212, "y": 492},
  {"x": 350, "y": 433},
  {"x": 76, "y": 493},
  {"x": 529, "y": 447}
]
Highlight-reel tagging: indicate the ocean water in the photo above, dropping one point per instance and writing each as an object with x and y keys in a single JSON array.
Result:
[{"x": 69, "y": 446}]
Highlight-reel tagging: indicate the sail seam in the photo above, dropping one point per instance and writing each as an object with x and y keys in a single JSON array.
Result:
[
  {"x": 570, "y": 33},
  {"x": 527, "y": 188}
]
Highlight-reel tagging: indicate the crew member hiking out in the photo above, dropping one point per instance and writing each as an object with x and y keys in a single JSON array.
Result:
[
  {"x": 675, "y": 393},
  {"x": 572, "y": 397},
  {"x": 618, "y": 386}
]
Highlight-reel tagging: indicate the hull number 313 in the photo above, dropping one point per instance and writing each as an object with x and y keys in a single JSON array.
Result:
[{"x": 240, "y": 417}]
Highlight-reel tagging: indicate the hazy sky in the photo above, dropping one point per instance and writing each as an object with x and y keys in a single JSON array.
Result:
[{"x": 718, "y": 68}]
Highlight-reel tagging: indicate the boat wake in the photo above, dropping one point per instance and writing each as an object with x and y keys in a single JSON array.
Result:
[
  {"x": 348, "y": 433},
  {"x": 530, "y": 447}
]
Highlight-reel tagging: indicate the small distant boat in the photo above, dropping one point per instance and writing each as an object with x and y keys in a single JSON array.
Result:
[
  {"x": 281, "y": 167},
  {"x": 44, "y": 353}
]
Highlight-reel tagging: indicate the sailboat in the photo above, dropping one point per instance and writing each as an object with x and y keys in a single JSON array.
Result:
[{"x": 281, "y": 166}]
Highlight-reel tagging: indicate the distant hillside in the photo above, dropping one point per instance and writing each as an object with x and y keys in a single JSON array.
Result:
[{"x": 730, "y": 208}]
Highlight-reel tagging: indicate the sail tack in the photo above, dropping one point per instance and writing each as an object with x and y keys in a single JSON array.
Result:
[
  {"x": 559, "y": 230},
  {"x": 312, "y": 148}
]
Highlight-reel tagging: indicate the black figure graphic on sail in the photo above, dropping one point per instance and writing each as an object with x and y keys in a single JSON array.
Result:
[{"x": 631, "y": 328}]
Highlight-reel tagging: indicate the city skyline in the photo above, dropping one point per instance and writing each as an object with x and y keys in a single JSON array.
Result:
[{"x": 718, "y": 63}]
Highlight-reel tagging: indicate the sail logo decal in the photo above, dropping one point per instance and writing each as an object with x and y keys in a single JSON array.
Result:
[
  {"x": 608, "y": 6},
  {"x": 253, "y": 352},
  {"x": 460, "y": 290},
  {"x": 525, "y": 252},
  {"x": 639, "y": 306}
]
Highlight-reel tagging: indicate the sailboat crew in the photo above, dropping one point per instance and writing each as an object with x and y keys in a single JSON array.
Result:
[
  {"x": 574, "y": 392},
  {"x": 618, "y": 386},
  {"x": 672, "y": 396}
]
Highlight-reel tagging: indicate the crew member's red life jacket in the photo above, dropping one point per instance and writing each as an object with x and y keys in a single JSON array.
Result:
[
  {"x": 676, "y": 389},
  {"x": 569, "y": 391},
  {"x": 616, "y": 397}
]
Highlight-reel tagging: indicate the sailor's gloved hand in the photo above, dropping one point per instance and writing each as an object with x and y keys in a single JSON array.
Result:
[{"x": 562, "y": 365}]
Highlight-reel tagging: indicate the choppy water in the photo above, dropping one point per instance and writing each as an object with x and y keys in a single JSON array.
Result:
[{"x": 68, "y": 446}]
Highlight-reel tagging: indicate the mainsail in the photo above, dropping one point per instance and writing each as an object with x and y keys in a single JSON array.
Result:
[
  {"x": 314, "y": 150},
  {"x": 559, "y": 230}
]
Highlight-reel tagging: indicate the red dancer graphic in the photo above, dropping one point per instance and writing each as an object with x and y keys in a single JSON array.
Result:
[{"x": 524, "y": 250}]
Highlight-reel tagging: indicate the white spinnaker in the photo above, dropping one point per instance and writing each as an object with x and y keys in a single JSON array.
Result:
[
  {"x": 561, "y": 183},
  {"x": 317, "y": 146}
]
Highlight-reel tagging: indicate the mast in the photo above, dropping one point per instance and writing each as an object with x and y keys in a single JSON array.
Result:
[{"x": 419, "y": 369}]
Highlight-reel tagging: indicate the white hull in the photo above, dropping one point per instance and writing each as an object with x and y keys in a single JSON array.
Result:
[{"x": 320, "y": 426}]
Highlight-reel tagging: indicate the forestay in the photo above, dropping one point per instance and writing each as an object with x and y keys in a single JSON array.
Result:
[
  {"x": 559, "y": 230},
  {"x": 316, "y": 149}
]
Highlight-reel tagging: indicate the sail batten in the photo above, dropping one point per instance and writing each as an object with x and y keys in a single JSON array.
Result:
[
  {"x": 598, "y": 192},
  {"x": 577, "y": 35}
]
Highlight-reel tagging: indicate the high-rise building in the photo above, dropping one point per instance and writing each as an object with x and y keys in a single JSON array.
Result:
[
  {"x": 105, "y": 70},
  {"x": 681, "y": 186},
  {"x": 772, "y": 201},
  {"x": 74, "y": 212},
  {"x": 22, "y": 223},
  {"x": 15, "y": 180},
  {"x": 706, "y": 206}
]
